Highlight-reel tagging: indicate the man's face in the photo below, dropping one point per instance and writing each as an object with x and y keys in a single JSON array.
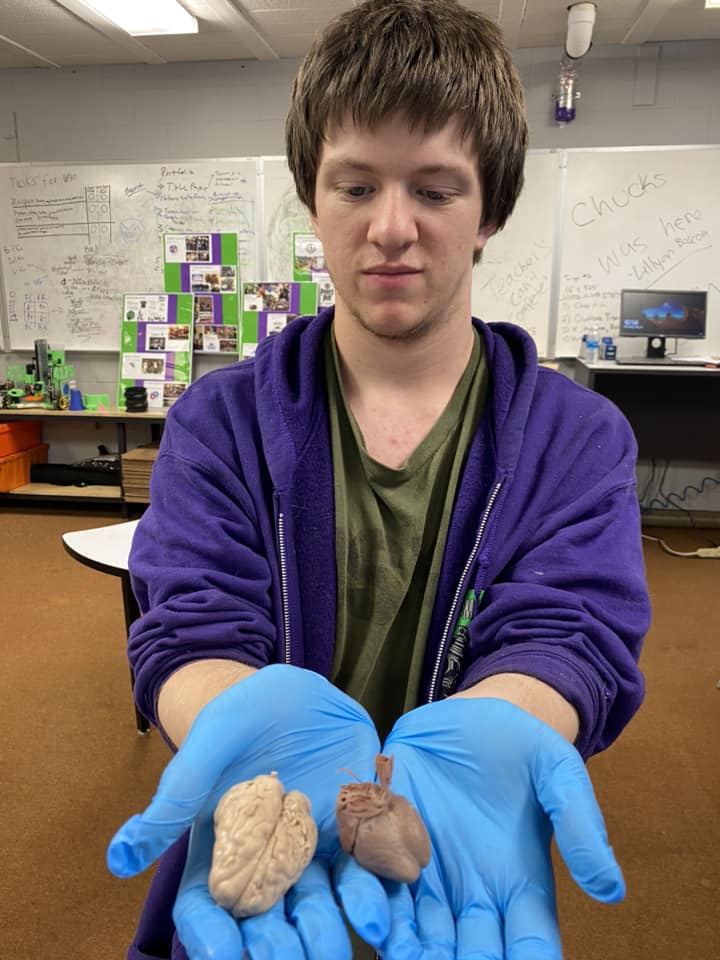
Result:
[{"x": 398, "y": 212}]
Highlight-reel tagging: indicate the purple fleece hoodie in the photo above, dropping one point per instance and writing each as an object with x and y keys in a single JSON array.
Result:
[{"x": 235, "y": 556}]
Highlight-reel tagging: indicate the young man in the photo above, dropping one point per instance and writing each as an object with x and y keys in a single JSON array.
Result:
[{"x": 391, "y": 530}]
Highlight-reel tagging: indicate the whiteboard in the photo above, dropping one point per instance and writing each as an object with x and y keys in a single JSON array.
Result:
[
  {"x": 76, "y": 238},
  {"x": 637, "y": 219},
  {"x": 588, "y": 223},
  {"x": 283, "y": 215},
  {"x": 513, "y": 281}
]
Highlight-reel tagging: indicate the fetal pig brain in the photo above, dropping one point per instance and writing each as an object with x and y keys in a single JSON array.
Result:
[{"x": 264, "y": 839}]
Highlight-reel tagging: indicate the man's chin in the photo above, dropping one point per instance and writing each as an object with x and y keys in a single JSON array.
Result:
[{"x": 395, "y": 324}]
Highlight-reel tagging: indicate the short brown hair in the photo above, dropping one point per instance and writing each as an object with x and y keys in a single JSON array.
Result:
[{"x": 432, "y": 60}]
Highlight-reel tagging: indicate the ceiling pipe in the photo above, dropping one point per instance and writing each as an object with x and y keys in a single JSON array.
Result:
[{"x": 581, "y": 22}]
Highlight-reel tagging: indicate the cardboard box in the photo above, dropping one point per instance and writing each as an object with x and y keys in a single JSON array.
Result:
[
  {"x": 19, "y": 435},
  {"x": 15, "y": 469},
  {"x": 136, "y": 467}
]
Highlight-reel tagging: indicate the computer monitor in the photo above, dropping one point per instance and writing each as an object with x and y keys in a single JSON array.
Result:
[{"x": 657, "y": 314}]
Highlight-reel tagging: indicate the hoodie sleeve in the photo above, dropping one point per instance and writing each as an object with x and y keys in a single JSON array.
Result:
[
  {"x": 199, "y": 561},
  {"x": 569, "y": 603}
]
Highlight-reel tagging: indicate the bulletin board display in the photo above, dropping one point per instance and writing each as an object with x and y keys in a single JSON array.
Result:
[
  {"x": 207, "y": 265},
  {"x": 156, "y": 346},
  {"x": 268, "y": 307}
]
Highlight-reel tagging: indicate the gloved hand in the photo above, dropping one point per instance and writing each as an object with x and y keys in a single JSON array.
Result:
[
  {"x": 491, "y": 782},
  {"x": 296, "y": 723}
]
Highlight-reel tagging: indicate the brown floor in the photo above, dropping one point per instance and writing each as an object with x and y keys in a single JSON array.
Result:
[{"x": 73, "y": 768}]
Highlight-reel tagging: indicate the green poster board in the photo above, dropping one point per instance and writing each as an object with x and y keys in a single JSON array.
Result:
[
  {"x": 156, "y": 346},
  {"x": 270, "y": 305},
  {"x": 205, "y": 265},
  {"x": 308, "y": 256}
]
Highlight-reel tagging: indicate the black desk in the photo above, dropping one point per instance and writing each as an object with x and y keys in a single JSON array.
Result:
[{"x": 674, "y": 411}]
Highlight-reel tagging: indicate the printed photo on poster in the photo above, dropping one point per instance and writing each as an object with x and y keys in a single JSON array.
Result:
[
  {"x": 153, "y": 367},
  {"x": 197, "y": 247},
  {"x": 326, "y": 291},
  {"x": 187, "y": 247},
  {"x": 146, "y": 309},
  {"x": 210, "y": 338},
  {"x": 174, "y": 247},
  {"x": 278, "y": 321},
  {"x": 142, "y": 366},
  {"x": 210, "y": 280},
  {"x": 228, "y": 280},
  {"x": 308, "y": 254},
  {"x": 171, "y": 391},
  {"x": 154, "y": 394},
  {"x": 203, "y": 309},
  {"x": 273, "y": 297},
  {"x": 174, "y": 337}
]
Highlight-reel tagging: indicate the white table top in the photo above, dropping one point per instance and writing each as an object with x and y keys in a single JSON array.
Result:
[
  {"x": 610, "y": 366},
  {"x": 105, "y": 548}
]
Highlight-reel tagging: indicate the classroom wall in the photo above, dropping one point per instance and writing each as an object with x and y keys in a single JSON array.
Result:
[{"x": 631, "y": 96}]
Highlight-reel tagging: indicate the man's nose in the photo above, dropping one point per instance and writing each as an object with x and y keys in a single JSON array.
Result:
[{"x": 393, "y": 224}]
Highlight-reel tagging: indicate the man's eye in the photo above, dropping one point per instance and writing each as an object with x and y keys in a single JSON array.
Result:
[
  {"x": 435, "y": 196},
  {"x": 355, "y": 193}
]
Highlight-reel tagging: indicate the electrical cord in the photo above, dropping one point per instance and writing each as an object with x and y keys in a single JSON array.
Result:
[
  {"x": 668, "y": 499},
  {"x": 706, "y": 553},
  {"x": 651, "y": 477}
]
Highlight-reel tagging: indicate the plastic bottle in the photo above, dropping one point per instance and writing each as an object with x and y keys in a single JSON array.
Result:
[{"x": 592, "y": 349}]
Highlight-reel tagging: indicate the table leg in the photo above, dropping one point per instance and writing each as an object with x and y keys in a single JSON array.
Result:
[
  {"x": 122, "y": 448},
  {"x": 132, "y": 612},
  {"x": 141, "y": 723}
]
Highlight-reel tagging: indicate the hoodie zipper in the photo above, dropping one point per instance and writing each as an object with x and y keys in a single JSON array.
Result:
[
  {"x": 459, "y": 591},
  {"x": 284, "y": 586}
]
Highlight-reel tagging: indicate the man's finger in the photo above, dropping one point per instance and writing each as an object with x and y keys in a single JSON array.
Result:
[
  {"x": 531, "y": 925},
  {"x": 206, "y": 930},
  {"x": 433, "y": 915},
  {"x": 311, "y": 907},
  {"x": 480, "y": 933},
  {"x": 565, "y": 791},
  {"x": 363, "y": 898}
]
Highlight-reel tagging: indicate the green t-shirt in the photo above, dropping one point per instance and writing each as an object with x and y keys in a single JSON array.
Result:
[{"x": 390, "y": 531}]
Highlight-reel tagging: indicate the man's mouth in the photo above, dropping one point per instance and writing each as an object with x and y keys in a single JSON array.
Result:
[{"x": 392, "y": 269}]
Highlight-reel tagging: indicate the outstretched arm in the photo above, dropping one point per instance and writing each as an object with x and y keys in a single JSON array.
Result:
[
  {"x": 279, "y": 718},
  {"x": 192, "y": 687},
  {"x": 492, "y": 784},
  {"x": 532, "y": 695}
]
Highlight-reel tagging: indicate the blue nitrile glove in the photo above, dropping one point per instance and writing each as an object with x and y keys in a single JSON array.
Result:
[
  {"x": 282, "y": 719},
  {"x": 491, "y": 782}
]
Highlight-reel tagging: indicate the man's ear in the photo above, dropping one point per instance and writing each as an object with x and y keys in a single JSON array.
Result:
[
  {"x": 483, "y": 235},
  {"x": 315, "y": 224}
]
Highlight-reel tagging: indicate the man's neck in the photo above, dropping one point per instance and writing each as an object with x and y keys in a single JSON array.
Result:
[
  {"x": 430, "y": 361},
  {"x": 398, "y": 389}
]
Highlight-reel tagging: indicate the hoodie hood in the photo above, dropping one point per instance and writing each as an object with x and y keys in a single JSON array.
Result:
[{"x": 289, "y": 366}]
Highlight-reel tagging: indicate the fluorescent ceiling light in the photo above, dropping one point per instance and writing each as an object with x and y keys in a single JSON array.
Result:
[
  {"x": 145, "y": 18},
  {"x": 712, "y": 4}
]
